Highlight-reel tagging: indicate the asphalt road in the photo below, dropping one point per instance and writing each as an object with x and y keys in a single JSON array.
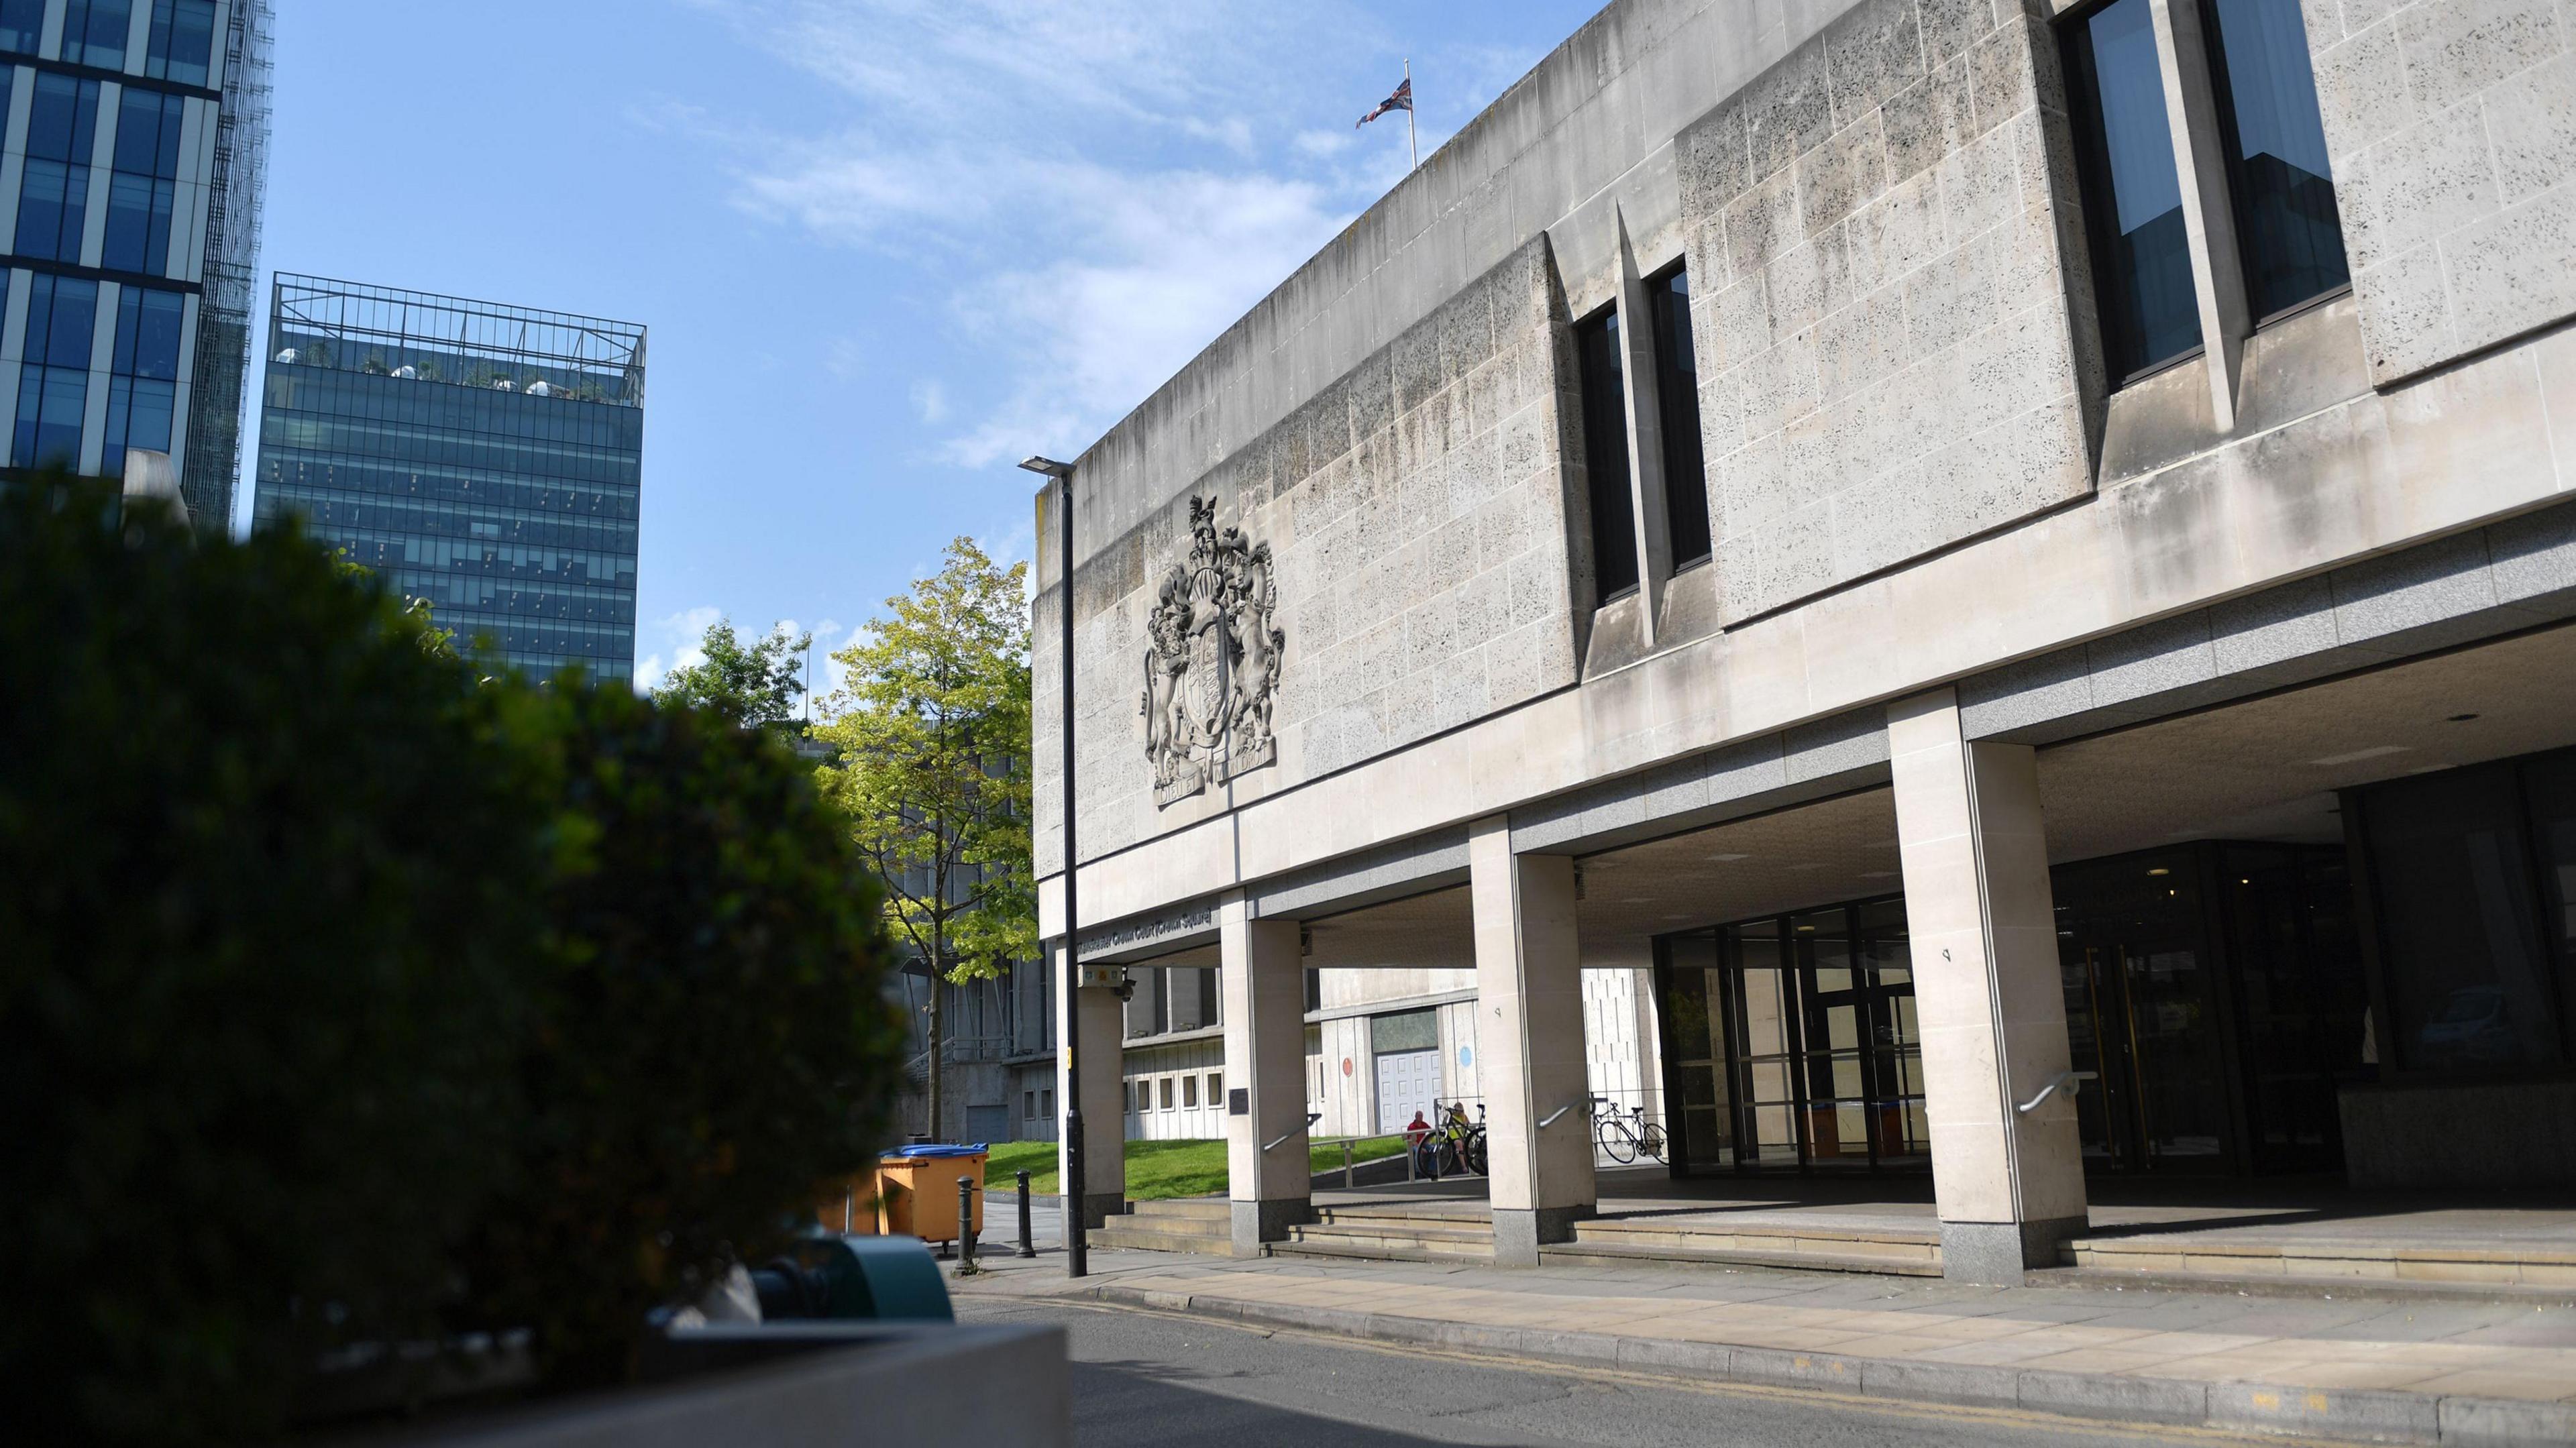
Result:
[{"x": 1144, "y": 1379}]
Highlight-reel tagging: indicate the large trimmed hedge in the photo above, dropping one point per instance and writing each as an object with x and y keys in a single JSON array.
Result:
[
  {"x": 711, "y": 1047},
  {"x": 345, "y": 999}
]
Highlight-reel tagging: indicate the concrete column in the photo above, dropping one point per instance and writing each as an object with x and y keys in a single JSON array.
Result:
[
  {"x": 1529, "y": 1043},
  {"x": 1262, "y": 983},
  {"x": 2009, "y": 1183},
  {"x": 2209, "y": 218},
  {"x": 1103, "y": 1021}
]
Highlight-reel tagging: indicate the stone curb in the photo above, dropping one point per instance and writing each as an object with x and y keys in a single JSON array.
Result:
[{"x": 2348, "y": 1413}]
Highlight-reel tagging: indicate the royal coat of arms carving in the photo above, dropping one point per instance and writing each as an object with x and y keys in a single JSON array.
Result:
[{"x": 1211, "y": 661}]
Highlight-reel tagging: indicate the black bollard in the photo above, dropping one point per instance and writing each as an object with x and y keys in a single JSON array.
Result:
[
  {"x": 1028, "y": 1244},
  {"x": 965, "y": 1226}
]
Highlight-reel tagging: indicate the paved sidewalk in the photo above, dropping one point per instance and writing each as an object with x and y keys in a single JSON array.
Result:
[{"x": 2371, "y": 1368}]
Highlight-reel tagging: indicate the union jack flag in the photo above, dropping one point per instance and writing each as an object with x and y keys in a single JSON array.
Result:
[{"x": 1402, "y": 100}]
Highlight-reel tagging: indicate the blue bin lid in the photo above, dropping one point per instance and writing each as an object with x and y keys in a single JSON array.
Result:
[{"x": 933, "y": 1148}]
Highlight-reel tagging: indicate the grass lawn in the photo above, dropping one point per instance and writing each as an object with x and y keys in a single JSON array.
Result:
[{"x": 1158, "y": 1169}]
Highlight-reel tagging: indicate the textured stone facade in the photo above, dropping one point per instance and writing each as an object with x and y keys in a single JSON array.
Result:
[
  {"x": 1917, "y": 471},
  {"x": 2452, "y": 124},
  {"x": 1889, "y": 334},
  {"x": 1417, "y": 509}
]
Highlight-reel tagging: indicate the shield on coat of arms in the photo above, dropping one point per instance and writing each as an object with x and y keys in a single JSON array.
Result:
[{"x": 1204, "y": 684}]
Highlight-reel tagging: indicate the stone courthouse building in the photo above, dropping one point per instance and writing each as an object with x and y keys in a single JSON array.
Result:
[{"x": 2011, "y": 562}]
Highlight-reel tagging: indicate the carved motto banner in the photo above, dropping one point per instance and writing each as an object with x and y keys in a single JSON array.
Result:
[{"x": 1211, "y": 662}]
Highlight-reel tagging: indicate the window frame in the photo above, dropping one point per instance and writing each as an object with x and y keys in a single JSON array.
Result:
[
  {"x": 1604, "y": 415},
  {"x": 2223, "y": 96},
  {"x": 1670, "y": 411},
  {"x": 2093, "y": 185}
]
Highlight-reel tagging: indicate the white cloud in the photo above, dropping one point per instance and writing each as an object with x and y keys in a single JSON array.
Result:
[
  {"x": 846, "y": 359},
  {"x": 1166, "y": 262},
  {"x": 1088, "y": 182},
  {"x": 677, "y": 638},
  {"x": 930, "y": 400}
]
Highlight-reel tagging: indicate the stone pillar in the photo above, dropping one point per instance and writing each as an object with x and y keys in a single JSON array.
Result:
[
  {"x": 2010, "y": 1184},
  {"x": 1103, "y": 1020},
  {"x": 1261, "y": 983},
  {"x": 1529, "y": 1043}
]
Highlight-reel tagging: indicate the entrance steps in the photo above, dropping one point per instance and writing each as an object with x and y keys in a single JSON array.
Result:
[
  {"x": 1391, "y": 1234},
  {"x": 1183, "y": 1224},
  {"x": 2183, "y": 1260},
  {"x": 1401, "y": 1232},
  {"x": 1804, "y": 1247}
]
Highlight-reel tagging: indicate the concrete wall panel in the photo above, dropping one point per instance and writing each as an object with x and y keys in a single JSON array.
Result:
[
  {"x": 1887, "y": 358},
  {"x": 2452, "y": 128}
]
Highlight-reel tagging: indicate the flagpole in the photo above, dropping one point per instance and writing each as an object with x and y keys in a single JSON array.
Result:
[{"x": 1410, "y": 143}]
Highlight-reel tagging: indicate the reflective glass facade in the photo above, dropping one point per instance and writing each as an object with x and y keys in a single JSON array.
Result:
[
  {"x": 1791, "y": 1042},
  {"x": 131, "y": 234},
  {"x": 2214, "y": 989},
  {"x": 485, "y": 458}
]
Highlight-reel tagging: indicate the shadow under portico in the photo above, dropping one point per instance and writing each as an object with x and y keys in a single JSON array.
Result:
[{"x": 2179, "y": 803}]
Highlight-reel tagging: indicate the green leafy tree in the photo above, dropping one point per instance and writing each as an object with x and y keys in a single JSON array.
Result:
[
  {"x": 438, "y": 643},
  {"x": 932, "y": 732},
  {"x": 755, "y": 685}
]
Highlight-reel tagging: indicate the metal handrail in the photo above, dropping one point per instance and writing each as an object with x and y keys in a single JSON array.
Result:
[
  {"x": 1293, "y": 1132},
  {"x": 1552, "y": 1116},
  {"x": 2071, "y": 1080}
]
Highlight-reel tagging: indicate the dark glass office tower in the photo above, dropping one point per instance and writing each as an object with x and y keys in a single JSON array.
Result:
[
  {"x": 485, "y": 458},
  {"x": 135, "y": 137}
]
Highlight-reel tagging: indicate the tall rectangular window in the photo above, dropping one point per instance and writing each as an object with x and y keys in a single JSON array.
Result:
[
  {"x": 2286, "y": 222},
  {"x": 1677, "y": 408},
  {"x": 94, "y": 32},
  {"x": 182, "y": 46},
  {"x": 53, "y": 196},
  {"x": 2132, "y": 193},
  {"x": 1605, "y": 455},
  {"x": 22, "y": 25},
  {"x": 143, "y": 385},
  {"x": 142, "y": 188},
  {"x": 53, "y": 385}
]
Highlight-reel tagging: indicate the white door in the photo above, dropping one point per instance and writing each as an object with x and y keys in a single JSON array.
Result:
[{"x": 1407, "y": 1082}]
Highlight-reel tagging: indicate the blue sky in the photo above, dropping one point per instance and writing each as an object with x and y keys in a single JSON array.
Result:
[{"x": 885, "y": 248}]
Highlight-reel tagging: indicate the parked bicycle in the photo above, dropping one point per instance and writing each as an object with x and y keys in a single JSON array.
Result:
[
  {"x": 1625, "y": 1137},
  {"x": 1452, "y": 1145}
]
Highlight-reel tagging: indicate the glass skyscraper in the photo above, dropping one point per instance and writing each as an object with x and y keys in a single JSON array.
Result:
[
  {"x": 482, "y": 457},
  {"x": 129, "y": 211}
]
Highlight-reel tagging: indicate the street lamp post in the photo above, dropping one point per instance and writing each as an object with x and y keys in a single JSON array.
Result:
[{"x": 1076, "y": 1193}]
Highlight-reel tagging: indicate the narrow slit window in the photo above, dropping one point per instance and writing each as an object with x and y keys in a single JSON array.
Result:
[
  {"x": 1677, "y": 408},
  {"x": 1605, "y": 456},
  {"x": 2287, "y": 226},
  {"x": 2132, "y": 193}
]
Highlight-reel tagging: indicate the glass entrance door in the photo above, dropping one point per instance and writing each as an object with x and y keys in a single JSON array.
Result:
[
  {"x": 1793, "y": 1042},
  {"x": 2142, "y": 1012},
  {"x": 1761, "y": 982}
]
